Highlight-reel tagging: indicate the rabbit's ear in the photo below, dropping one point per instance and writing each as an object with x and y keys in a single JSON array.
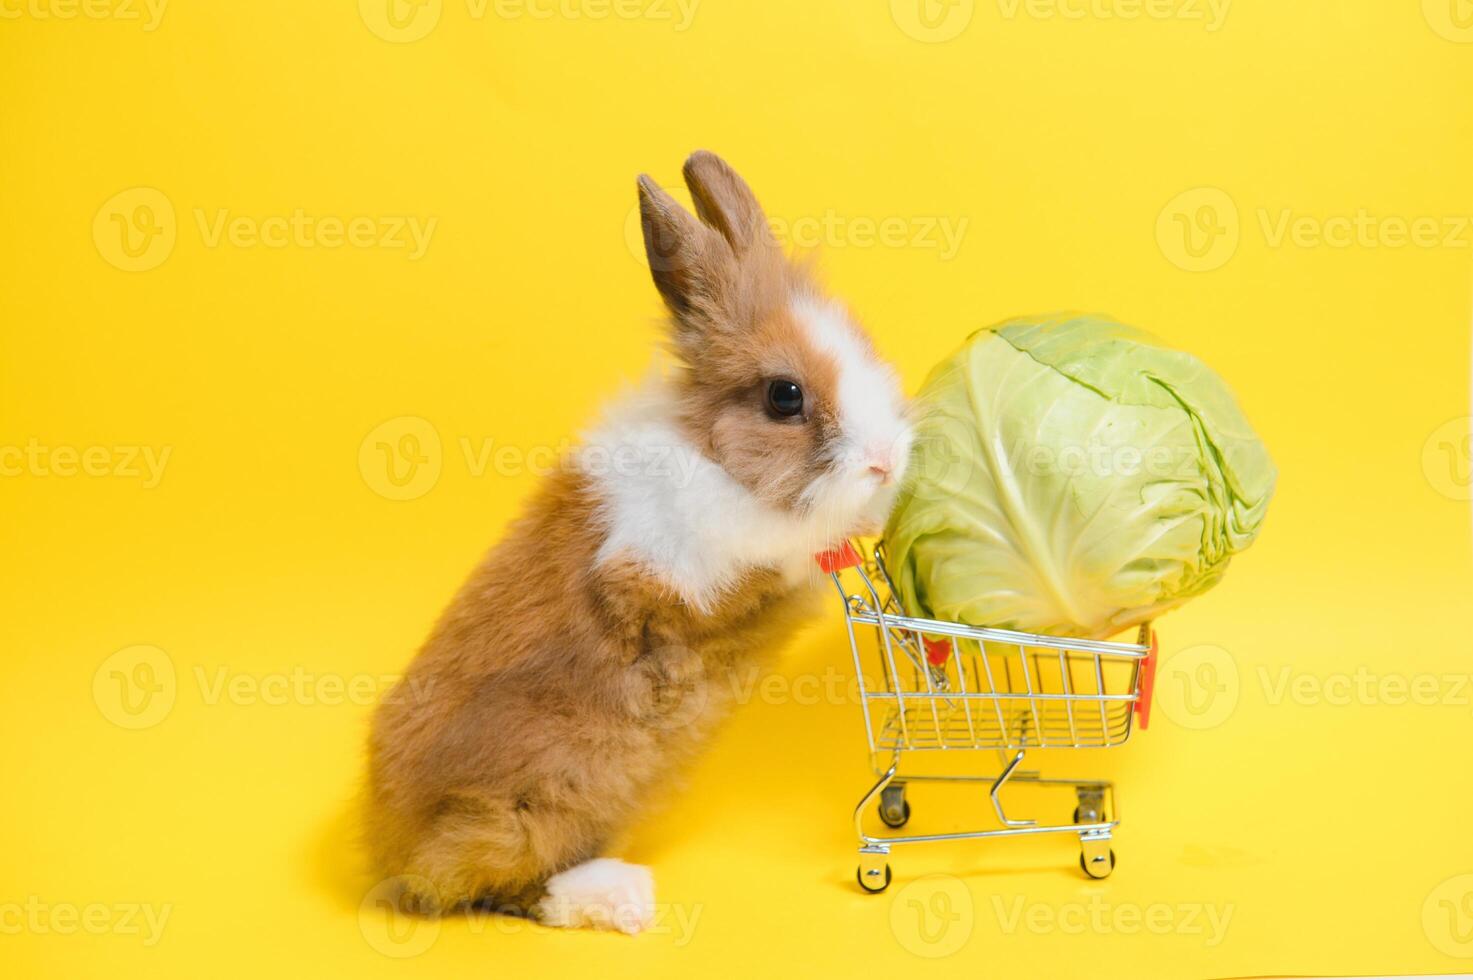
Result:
[
  {"x": 680, "y": 249},
  {"x": 725, "y": 202}
]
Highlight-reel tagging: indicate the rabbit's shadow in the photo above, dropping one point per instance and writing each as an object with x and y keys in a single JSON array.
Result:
[
  {"x": 336, "y": 860},
  {"x": 338, "y": 866}
]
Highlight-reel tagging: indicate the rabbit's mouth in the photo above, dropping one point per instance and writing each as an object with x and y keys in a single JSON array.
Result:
[{"x": 852, "y": 499}]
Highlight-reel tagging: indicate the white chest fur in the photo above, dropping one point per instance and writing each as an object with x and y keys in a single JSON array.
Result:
[{"x": 679, "y": 514}]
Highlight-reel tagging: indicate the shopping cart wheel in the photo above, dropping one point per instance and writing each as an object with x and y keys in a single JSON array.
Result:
[
  {"x": 1091, "y": 808},
  {"x": 873, "y": 885},
  {"x": 894, "y": 808},
  {"x": 1099, "y": 863},
  {"x": 894, "y": 819}
]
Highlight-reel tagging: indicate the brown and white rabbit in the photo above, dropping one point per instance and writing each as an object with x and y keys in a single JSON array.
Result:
[{"x": 592, "y": 649}]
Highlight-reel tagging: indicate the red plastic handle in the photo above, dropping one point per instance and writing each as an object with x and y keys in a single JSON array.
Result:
[
  {"x": 937, "y": 651},
  {"x": 838, "y": 559},
  {"x": 1148, "y": 685}
]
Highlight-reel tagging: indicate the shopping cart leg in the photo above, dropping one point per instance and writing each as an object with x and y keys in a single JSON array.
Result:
[
  {"x": 874, "y": 867},
  {"x": 877, "y": 789},
  {"x": 997, "y": 786}
]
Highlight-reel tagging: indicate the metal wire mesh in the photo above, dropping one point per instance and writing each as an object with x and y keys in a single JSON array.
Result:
[{"x": 928, "y": 684}]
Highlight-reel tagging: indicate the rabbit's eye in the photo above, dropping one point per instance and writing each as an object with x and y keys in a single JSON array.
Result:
[{"x": 784, "y": 399}]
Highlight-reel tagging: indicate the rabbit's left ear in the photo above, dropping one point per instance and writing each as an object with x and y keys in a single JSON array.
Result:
[
  {"x": 725, "y": 202},
  {"x": 682, "y": 252}
]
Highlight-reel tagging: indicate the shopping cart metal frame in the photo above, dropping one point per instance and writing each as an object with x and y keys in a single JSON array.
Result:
[{"x": 941, "y": 691}]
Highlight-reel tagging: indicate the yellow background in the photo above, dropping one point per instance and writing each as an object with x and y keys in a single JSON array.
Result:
[{"x": 1334, "y": 833}]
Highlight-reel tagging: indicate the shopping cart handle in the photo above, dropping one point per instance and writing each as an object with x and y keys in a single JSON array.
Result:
[
  {"x": 1148, "y": 685},
  {"x": 838, "y": 559},
  {"x": 938, "y": 651}
]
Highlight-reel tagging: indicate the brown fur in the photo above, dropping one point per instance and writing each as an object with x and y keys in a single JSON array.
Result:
[
  {"x": 556, "y": 696},
  {"x": 556, "y": 692}
]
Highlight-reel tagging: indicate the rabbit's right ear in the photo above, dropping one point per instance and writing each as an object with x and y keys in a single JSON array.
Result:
[
  {"x": 684, "y": 255},
  {"x": 725, "y": 202}
]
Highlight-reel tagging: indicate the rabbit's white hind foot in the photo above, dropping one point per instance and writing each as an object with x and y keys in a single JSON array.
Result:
[{"x": 604, "y": 893}]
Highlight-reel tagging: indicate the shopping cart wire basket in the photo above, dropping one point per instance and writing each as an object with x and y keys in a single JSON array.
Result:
[{"x": 943, "y": 687}]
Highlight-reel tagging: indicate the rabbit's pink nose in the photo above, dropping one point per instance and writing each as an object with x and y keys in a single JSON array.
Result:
[{"x": 881, "y": 470}]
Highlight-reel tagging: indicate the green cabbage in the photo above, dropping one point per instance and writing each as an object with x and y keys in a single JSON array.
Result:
[{"x": 1072, "y": 476}]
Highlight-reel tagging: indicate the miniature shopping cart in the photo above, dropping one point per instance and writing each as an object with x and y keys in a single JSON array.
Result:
[{"x": 940, "y": 687}]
